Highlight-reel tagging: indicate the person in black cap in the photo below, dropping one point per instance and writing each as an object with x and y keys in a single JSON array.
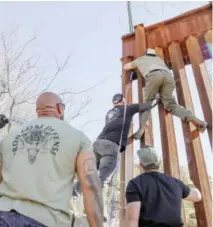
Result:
[
  {"x": 154, "y": 199},
  {"x": 113, "y": 139}
]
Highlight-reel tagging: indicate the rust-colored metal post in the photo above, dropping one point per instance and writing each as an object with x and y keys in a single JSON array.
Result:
[
  {"x": 140, "y": 47},
  {"x": 197, "y": 23},
  {"x": 208, "y": 36},
  {"x": 168, "y": 141},
  {"x": 195, "y": 156},
  {"x": 129, "y": 154},
  {"x": 126, "y": 170},
  {"x": 202, "y": 80}
]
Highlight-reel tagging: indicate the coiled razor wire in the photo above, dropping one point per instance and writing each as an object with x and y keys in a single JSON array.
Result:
[{"x": 118, "y": 159}]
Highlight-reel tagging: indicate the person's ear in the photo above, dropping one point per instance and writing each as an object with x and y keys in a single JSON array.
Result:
[{"x": 60, "y": 109}]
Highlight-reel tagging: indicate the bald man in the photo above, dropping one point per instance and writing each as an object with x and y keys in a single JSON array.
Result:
[{"x": 39, "y": 163}]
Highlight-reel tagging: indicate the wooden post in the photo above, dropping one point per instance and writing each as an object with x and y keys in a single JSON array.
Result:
[
  {"x": 126, "y": 169},
  {"x": 208, "y": 36},
  {"x": 202, "y": 80},
  {"x": 140, "y": 47},
  {"x": 168, "y": 141},
  {"x": 197, "y": 23},
  {"x": 197, "y": 168}
]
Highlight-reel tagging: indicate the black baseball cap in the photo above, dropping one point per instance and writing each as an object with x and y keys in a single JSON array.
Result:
[{"x": 117, "y": 98}]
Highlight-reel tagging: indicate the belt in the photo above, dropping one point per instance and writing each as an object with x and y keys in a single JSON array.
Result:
[
  {"x": 154, "y": 70},
  {"x": 158, "y": 70}
]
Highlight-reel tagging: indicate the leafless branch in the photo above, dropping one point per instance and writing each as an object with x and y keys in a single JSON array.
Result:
[
  {"x": 85, "y": 90},
  {"x": 81, "y": 109},
  {"x": 88, "y": 122},
  {"x": 60, "y": 68},
  {"x": 25, "y": 67},
  {"x": 23, "y": 49},
  {"x": 22, "y": 80}
]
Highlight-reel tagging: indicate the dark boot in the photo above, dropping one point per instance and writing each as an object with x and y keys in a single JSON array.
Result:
[{"x": 138, "y": 135}]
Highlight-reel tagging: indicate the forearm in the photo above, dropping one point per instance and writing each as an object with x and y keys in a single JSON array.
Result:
[
  {"x": 92, "y": 205},
  {"x": 143, "y": 107},
  {"x": 91, "y": 188},
  {"x": 93, "y": 201},
  {"x": 130, "y": 66}
]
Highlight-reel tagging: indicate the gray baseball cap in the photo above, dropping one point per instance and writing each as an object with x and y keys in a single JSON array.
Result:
[{"x": 149, "y": 158}]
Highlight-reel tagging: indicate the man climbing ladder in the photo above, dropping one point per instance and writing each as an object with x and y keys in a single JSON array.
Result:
[
  {"x": 112, "y": 140},
  {"x": 158, "y": 79}
]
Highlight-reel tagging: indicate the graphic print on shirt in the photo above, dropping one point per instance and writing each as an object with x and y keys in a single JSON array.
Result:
[
  {"x": 36, "y": 139},
  {"x": 112, "y": 115}
]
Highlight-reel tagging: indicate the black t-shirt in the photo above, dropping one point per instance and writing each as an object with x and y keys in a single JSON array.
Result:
[
  {"x": 161, "y": 197},
  {"x": 115, "y": 124}
]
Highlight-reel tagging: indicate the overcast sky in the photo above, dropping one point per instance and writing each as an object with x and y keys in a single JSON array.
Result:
[{"x": 93, "y": 31}]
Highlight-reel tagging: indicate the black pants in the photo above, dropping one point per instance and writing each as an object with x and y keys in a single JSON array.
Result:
[
  {"x": 106, "y": 153},
  {"x": 14, "y": 219}
]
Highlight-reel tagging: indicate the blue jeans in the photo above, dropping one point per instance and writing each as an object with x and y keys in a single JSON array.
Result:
[{"x": 14, "y": 219}]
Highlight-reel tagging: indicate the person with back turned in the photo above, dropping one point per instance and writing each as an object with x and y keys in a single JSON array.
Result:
[
  {"x": 158, "y": 79},
  {"x": 154, "y": 199},
  {"x": 39, "y": 162},
  {"x": 112, "y": 140}
]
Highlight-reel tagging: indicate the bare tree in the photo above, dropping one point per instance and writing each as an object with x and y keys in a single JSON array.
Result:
[{"x": 22, "y": 80}]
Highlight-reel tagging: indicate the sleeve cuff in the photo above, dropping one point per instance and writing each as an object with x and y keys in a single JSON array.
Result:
[
  {"x": 186, "y": 192},
  {"x": 132, "y": 197}
]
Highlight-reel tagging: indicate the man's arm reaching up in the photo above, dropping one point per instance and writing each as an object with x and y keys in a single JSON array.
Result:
[
  {"x": 143, "y": 107},
  {"x": 91, "y": 188},
  {"x": 131, "y": 65}
]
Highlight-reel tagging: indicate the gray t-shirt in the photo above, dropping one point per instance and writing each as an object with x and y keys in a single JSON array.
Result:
[
  {"x": 38, "y": 163},
  {"x": 146, "y": 64}
]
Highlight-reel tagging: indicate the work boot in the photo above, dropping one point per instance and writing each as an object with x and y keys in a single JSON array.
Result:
[
  {"x": 200, "y": 125},
  {"x": 137, "y": 135}
]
